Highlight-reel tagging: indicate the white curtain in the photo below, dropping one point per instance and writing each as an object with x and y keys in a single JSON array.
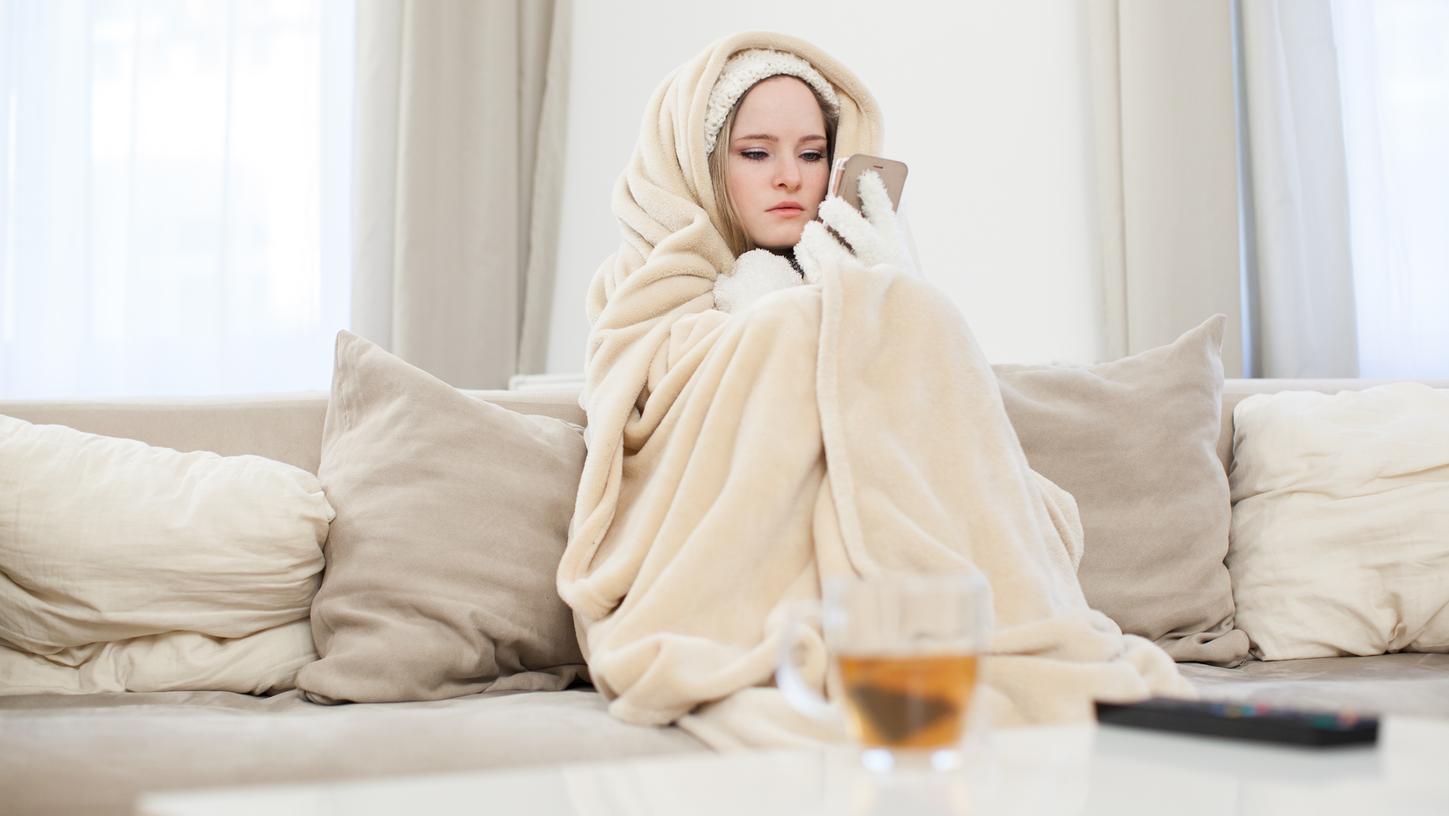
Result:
[
  {"x": 458, "y": 134},
  {"x": 1393, "y": 58},
  {"x": 173, "y": 195},
  {"x": 1165, "y": 150},
  {"x": 1347, "y": 118}
]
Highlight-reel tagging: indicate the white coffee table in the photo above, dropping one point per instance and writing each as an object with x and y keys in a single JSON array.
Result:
[{"x": 1057, "y": 770}]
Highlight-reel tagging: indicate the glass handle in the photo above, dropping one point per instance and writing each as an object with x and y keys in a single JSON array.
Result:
[{"x": 788, "y": 676}]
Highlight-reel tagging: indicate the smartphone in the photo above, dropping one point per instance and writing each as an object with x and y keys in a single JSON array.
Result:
[{"x": 845, "y": 177}]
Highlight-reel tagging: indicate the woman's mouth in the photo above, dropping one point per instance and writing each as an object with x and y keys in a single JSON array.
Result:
[{"x": 787, "y": 211}]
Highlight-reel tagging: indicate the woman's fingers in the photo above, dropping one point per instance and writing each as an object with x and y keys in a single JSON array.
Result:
[
  {"x": 805, "y": 253},
  {"x": 871, "y": 237},
  {"x": 875, "y": 201},
  {"x": 859, "y": 233},
  {"x": 844, "y": 219},
  {"x": 817, "y": 250}
]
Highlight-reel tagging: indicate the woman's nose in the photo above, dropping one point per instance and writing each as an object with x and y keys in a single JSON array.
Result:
[{"x": 787, "y": 175}]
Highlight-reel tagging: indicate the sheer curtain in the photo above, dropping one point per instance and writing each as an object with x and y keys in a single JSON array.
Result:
[
  {"x": 1347, "y": 118},
  {"x": 1393, "y": 59},
  {"x": 174, "y": 195}
]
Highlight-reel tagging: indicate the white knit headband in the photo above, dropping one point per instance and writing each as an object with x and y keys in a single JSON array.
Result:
[{"x": 741, "y": 73}]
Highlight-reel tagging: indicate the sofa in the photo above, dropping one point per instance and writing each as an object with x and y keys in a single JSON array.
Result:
[{"x": 94, "y": 753}]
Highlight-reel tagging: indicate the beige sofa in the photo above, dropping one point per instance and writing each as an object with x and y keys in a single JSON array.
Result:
[{"x": 95, "y": 753}]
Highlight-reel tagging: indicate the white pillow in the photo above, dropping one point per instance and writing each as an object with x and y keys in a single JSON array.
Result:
[
  {"x": 171, "y": 556},
  {"x": 1340, "y": 528},
  {"x": 265, "y": 662}
]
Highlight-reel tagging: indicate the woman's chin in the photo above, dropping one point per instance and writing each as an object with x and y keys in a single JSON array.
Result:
[{"x": 778, "y": 242}]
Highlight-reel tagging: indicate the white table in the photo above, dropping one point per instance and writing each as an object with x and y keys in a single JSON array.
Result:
[{"x": 1058, "y": 770}]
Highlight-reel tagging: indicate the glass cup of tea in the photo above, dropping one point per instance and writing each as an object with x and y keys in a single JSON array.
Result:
[{"x": 904, "y": 655}]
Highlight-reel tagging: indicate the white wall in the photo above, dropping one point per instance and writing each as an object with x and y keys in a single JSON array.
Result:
[{"x": 986, "y": 101}]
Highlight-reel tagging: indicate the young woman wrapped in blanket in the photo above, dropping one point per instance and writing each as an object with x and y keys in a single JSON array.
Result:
[{"x": 769, "y": 407}]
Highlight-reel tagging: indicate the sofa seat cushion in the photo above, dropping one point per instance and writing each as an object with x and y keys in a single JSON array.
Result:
[
  {"x": 1402, "y": 683},
  {"x": 95, "y": 753}
]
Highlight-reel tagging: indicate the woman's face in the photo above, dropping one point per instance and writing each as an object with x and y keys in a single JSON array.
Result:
[{"x": 777, "y": 166}]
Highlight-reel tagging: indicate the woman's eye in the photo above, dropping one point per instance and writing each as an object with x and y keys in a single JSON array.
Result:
[{"x": 759, "y": 155}]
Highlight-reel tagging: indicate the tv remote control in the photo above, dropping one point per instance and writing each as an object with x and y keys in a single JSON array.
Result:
[{"x": 1248, "y": 721}]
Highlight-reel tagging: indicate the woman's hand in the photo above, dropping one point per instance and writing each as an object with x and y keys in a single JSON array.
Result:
[
  {"x": 755, "y": 274},
  {"x": 874, "y": 238}
]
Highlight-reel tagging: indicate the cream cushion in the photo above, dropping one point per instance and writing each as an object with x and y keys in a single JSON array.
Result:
[
  {"x": 451, "y": 517},
  {"x": 130, "y": 567},
  {"x": 1340, "y": 527},
  {"x": 1135, "y": 442}
]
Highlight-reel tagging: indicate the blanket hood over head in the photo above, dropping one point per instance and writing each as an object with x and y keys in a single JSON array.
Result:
[{"x": 665, "y": 200}]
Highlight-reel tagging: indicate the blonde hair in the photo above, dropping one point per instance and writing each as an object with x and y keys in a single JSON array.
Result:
[{"x": 734, "y": 234}]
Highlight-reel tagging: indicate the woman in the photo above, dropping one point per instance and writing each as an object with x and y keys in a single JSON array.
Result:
[{"x": 835, "y": 420}]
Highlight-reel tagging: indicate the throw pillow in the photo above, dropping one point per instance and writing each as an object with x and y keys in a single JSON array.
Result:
[
  {"x": 452, "y": 514},
  {"x": 1340, "y": 535},
  {"x": 1135, "y": 442},
  {"x": 125, "y": 566}
]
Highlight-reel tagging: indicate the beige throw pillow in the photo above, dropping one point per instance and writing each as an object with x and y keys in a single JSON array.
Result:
[
  {"x": 130, "y": 567},
  {"x": 452, "y": 514},
  {"x": 1135, "y": 442},
  {"x": 1340, "y": 541}
]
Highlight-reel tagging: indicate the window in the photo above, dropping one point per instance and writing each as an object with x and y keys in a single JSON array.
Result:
[{"x": 174, "y": 195}]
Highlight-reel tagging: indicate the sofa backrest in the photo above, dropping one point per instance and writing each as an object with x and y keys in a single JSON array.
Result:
[
  {"x": 289, "y": 427},
  {"x": 285, "y": 427}
]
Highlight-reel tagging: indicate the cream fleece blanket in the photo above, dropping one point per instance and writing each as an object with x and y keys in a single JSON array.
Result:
[{"x": 849, "y": 427}]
